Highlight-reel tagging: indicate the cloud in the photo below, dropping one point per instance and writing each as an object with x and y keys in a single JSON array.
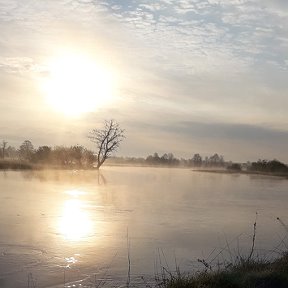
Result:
[
  {"x": 227, "y": 131},
  {"x": 193, "y": 36},
  {"x": 19, "y": 65},
  {"x": 219, "y": 30},
  {"x": 217, "y": 130}
]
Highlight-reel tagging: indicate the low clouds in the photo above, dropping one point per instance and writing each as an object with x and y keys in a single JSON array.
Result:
[
  {"x": 238, "y": 142},
  {"x": 18, "y": 65},
  {"x": 238, "y": 132}
]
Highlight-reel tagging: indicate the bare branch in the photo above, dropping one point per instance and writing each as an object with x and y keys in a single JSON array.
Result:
[{"x": 107, "y": 140}]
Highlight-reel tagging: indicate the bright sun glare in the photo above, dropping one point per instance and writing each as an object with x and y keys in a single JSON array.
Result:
[
  {"x": 75, "y": 223},
  {"x": 77, "y": 84}
]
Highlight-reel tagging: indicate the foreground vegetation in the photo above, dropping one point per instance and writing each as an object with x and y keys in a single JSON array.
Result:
[
  {"x": 243, "y": 274},
  {"x": 240, "y": 272}
]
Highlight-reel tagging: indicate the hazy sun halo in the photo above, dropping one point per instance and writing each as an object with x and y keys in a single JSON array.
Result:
[{"x": 77, "y": 84}]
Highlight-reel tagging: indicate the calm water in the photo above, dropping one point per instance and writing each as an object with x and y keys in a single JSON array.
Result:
[{"x": 77, "y": 227}]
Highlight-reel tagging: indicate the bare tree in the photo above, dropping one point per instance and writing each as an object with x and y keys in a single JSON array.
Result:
[
  {"x": 4, "y": 143},
  {"x": 107, "y": 140}
]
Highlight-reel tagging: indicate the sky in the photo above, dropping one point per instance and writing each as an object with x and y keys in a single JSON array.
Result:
[{"x": 185, "y": 76}]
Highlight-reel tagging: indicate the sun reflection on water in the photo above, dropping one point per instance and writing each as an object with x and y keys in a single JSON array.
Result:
[
  {"x": 75, "y": 192},
  {"x": 75, "y": 223}
]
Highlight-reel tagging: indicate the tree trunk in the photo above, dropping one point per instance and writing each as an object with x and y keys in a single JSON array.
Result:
[{"x": 99, "y": 164}]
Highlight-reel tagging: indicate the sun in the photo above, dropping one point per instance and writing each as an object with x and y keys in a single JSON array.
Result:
[{"x": 77, "y": 84}]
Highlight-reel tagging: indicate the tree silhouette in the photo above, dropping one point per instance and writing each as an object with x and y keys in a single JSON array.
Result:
[
  {"x": 26, "y": 150},
  {"x": 107, "y": 140},
  {"x": 43, "y": 154},
  {"x": 4, "y": 143},
  {"x": 196, "y": 160}
]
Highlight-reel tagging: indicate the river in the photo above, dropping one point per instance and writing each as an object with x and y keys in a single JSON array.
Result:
[{"x": 88, "y": 228}]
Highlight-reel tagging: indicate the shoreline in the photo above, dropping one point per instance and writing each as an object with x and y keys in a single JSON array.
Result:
[
  {"x": 260, "y": 173},
  {"x": 16, "y": 165}
]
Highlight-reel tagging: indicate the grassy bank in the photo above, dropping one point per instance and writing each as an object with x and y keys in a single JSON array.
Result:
[{"x": 244, "y": 274}]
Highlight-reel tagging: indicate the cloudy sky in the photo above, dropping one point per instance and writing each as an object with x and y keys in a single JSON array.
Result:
[{"x": 185, "y": 76}]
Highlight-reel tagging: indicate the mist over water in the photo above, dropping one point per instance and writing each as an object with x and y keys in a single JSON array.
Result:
[{"x": 73, "y": 227}]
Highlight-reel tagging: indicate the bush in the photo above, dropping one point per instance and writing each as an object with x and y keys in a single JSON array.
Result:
[
  {"x": 273, "y": 166},
  {"x": 234, "y": 167}
]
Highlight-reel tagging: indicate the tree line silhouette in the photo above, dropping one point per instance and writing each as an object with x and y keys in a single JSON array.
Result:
[
  {"x": 273, "y": 166},
  {"x": 106, "y": 139},
  {"x": 78, "y": 156},
  {"x": 168, "y": 159},
  {"x": 197, "y": 160},
  {"x": 73, "y": 156},
  {"x": 207, "y": 162}
]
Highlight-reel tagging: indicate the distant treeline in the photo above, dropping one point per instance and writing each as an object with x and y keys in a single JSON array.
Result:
[
  {"x": 80, "y": 157},
  {"x": 168, "y": 159},
  {"x": 73, "y": 156},
  {"x": 207, "y": 162},
  {"x": 273, "y": 166}
]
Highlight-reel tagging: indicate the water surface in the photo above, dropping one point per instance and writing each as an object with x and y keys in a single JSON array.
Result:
[{"x": 78, "y": 227}]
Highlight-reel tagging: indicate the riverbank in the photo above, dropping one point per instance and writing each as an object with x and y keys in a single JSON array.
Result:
[
  {"x": 23, "y": 165},
  {"x": 243, "y": 172},
  {"x": 15, "y": 165}
]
